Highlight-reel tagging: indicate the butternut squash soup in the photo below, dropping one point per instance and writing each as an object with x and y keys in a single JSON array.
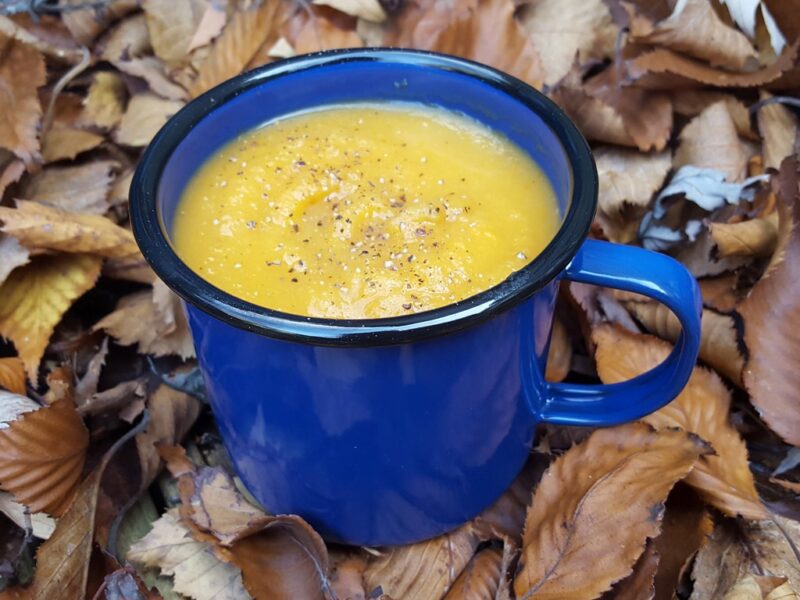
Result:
[{"x": 364, "y": 211}]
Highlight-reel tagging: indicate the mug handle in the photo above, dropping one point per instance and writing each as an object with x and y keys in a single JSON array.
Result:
[{"x": 654, "y": 275}]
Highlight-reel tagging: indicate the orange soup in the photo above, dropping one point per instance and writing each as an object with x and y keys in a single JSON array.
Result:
[{"x": 364, "y": 211}]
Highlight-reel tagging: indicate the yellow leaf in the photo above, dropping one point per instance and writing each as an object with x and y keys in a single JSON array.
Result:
[
  {"x": 103, "y": 105},
  {"x": 481, "y": 578},
  {"x": 40, "y": 227},
  {"x": 36, "y": 296},
  {"x": 778, "y": 127},
  {"x": 12, "y": 374},
  {"x": 724, "y": 480},
  {"x": 146, "y": 114},
  {"x": 595, "y": 508}
]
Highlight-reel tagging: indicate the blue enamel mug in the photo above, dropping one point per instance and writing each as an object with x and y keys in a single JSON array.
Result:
[{"x": 389, "y": 431}]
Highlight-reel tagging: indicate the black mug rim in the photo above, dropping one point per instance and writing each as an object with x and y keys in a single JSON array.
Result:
[{"x": 148, "y": 227}]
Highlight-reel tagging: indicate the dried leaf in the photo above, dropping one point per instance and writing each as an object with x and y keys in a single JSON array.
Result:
[
  {"x": 720, "y": 293},
  {"x": 480, "y": 579},
  {"x": 129, "y": 38},
  {"x": 640, "y": 584},
  {"x": 744, "y": 14},
  {"x": 320, "y": 33},
  {"x": 560, "y": 31},
  {"x": 172, "y": 26},
  {"x": 754, "y": 587},
  {"x": 734, "y": 552},
  {"x": 197, "y": 571},
  {"x": 104, "y": 104},
  {"x": 668, "y": 70},
  {"x": 754, "y": 237},
  {"x": 369, "y": 10},
  {"x": 12, "y": 406},
  {"x": 770, "y": 312},
  {"x": 39, "y": 227},
  {"x": 145, "y": 115},
  {"x": 46, "y": 33},
  {"x": 628, "y": 180},
  {"x": 695, "y": 29},
  {"x": 155, "y": 321},
  {"x": 43, "y": 452},
  {"x": 12, "y": 255},
  {"x": 347, "y": 577},
  {"x": 87, "y": 385},
  {"x": 12, "y": 375},
  {"x": 37, "y": 295},
  {"x": 87, "y": 23},
  {"x": 719, "y": 340},
  {"x": 691, "y": 103},
  {"x": 778, "y": 128},
  {"x": 213, "y": 20},
  {"x": 724, "y": 479},
  {"x": 244, "y": 34},
  {"x": 710, "y": 141},
  {"x": 67, "y": 142},
  {"x": 422, "y": 570},
  {"x": 11, "y": 169},
  {"x": 470, "y": 28},
  {"x": 595, "y": 508},
  {"x": 151, "y": 69},
  {"x": 21, "y": 73},
  {"x": 41, "y": 524},
  {"x": 82, "y": 188},
  {"x": 559, "y": 357}
]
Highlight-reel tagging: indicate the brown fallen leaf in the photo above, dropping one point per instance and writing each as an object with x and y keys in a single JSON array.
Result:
[
  {"x": 755, "y": 587},
  {"x": 132, "y": 268},
  {"x": 12, "y": 375},
  {"x": 43, "y": 452},
  {"x": 628, "y": 180},
  {"x": 559, "y": 357},
  {"x": 82, "y": 188},
  {"x": 152, "y": 70},
  {"x": 595, "y": 508},
  {"x": 104, "y": 103},
  {"x": 640, "y": 584},
  {"x": 198, "y": 573},
  {"x": 246, "y": 32},
  {"x": 470, "y": 28},
  {"x": 710, "y": 141},
  {"x": 719, "y": 338},
  {"x": 770, "y": 312},
  {"x": 12, "y": 255},
  {"x": 41, "y": 525},
  {"x": 694, "y": 28},
  {"x": 561, "y": 31},
  {"x": 153, "y": 320},
  {"x": 754, "y": 237},
  {"x": 724, "y": 479},
  {"x": 721, "y": 293},
  {"x": 664, "y": 69},
  {"x": 39, "y": 227},
  {"x": 691, "y": 103},
  {"x": 36, "y": 296},
  {"x": 778, "y": 128},
  {"x": 11, "y": 169},
  {"x": 46, "y": 33},
  {"x": 61, "y": 143},
  {"x": 21, "y": 73},
  {"x": 128, "y": 38},
  {"x": 480, "y": 579},
  {"x": 172, "y": 26},
  {"x": 210, "y": 26},
  {"x": 347, "y": 576},
  {"x": 370, "y": 10},
  {"x": 86, "y": 386},
  {"x": 145, "y": 115},
  {"x": 423, "y": 570},
  {"x": 320, "y": 33},
  {"x": 87, "y": 23},
  {"x": 734, "y": 551}
]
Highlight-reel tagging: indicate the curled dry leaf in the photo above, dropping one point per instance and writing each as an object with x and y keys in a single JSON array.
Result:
[
  {"x": 153, "y": 320},
  {"x": 721, "y": 293},
  {"x": 771, "y": 313},
  {"x": 46, "y": 33},
  {"x": 145, "y": 115},
  {"x": 82, "y": 188},
  {"x": 151, "y": 69},
  {"x": 43, "y": 452},
  {"x": 559, "y": 357},
  {"x": 12, "y": 255},
  {"x": 778, "y": 128},
  {"x": 719, "y": 338},
  {"x": 691, "y": 103},
  {"x": 172, "y": 26},
  {"x": 104, "y": 104},
  {"x": 422, "y": 570},
  {"x": 480, "y": 579},
  {"x": 755, "y": 587},
  {"x": 347, "y": 576},
  {"x": 40, "y": 227},
  {"x": 12, "y": 374},
  {"x": 734, "y": 551},
  {"x": 724, "y": 479},
  {"x": 320, "y": 33},
  {"x": 470, "y": 28},
  {"x": 628, "y": 180},
  {"x": 246, "y": 31},
  {"x": 695, "y": 29},
  {"x": 710, "y": 141},
  {"x": 595, "y": 508},
  {"x": 127, "y": 39},
  {"x": 369, "y": 10},
  {"x": 640, "y": 584},
  {"x": 197, "y": 571},
  {"x": 36, "y": 296},
  {"x": 21, "y": 73},
  {"x": 561, "y": 31},
  {"x": 754, "y": 237}
]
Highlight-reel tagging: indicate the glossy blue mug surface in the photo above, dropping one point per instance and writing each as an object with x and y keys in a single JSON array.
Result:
[{"x": 389, "y": 431}]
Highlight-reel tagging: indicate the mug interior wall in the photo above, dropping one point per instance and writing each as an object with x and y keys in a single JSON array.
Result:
[{"x": 351, "y": 82}]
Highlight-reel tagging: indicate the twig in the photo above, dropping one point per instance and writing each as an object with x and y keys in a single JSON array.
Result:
[
  {"x": 47, "y": 121},
  {"x": 787, "y": 100}
]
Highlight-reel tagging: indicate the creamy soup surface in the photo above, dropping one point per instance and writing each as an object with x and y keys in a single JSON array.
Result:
[{"x": 364, "y": 211}]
